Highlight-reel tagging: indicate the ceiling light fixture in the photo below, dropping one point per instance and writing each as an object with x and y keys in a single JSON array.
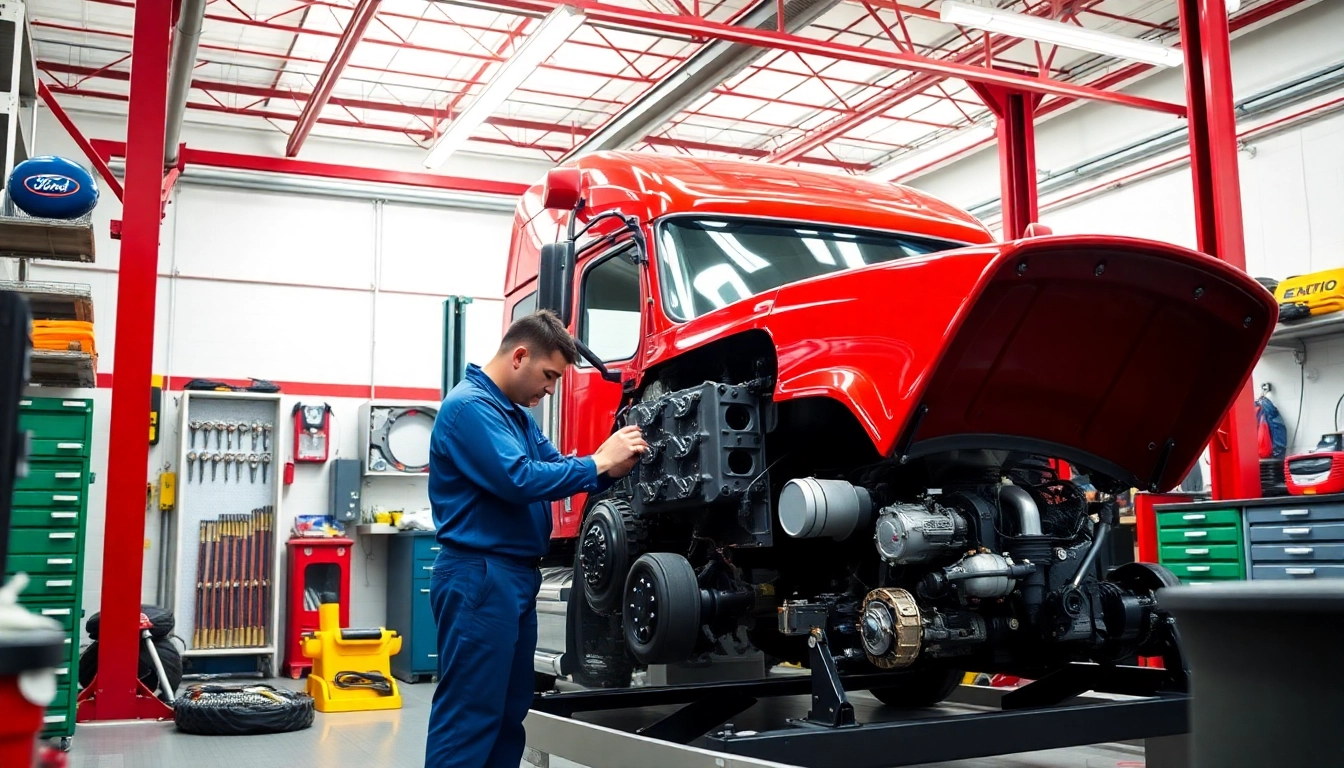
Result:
[
  {"x": 1058, "y": 33},
  {"x": 538, "y": 46}
]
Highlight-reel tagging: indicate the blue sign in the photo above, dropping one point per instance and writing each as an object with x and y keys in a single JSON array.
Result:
[{"x": 52, "y": 188}]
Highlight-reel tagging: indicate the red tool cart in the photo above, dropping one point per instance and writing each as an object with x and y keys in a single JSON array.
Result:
[{"x": 319, "y": 570}]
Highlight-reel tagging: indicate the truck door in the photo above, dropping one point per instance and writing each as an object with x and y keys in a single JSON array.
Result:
[{"x": 608, "y": 320}]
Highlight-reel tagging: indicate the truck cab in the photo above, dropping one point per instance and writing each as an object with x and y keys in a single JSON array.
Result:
[{"x": 858, "y": 404}]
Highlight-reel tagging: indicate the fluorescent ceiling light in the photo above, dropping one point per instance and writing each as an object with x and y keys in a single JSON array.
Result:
[
  {"x": 954, "y": 144},
  {"x": 538, "y": 46},
  {"x": 1058, "y": 33}
]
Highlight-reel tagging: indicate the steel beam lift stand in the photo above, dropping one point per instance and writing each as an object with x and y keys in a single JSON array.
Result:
[{"x": 1035, "y": 716}]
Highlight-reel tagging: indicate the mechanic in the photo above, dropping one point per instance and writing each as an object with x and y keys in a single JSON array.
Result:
[{"x": 492, "y": 476}]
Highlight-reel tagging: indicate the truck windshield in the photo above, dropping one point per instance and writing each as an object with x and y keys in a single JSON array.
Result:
[{"x": 705, "y": 264}]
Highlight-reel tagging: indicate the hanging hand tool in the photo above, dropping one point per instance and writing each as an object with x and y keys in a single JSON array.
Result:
[
  {"x": 214, "y": 465},
  {"x": 256, "y": 433},
  {"x": 219, "y": 434},
  {"x": 191, "y": 465},
  {"x": 266, "y": 437},
  {"x": 230, "y": 426},
  {"x": 254, "y": 460},
  {"x": 265, "y": 463},
  {"x": 195, "y": 427}
]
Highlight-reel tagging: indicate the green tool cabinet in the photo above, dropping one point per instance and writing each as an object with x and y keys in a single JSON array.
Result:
[
  {"x": 50, "y": 509},
  {"x": 1201, "y": 543}
]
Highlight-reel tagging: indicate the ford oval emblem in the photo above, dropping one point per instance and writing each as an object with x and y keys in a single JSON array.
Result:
[{"x": 51, "y": 185}]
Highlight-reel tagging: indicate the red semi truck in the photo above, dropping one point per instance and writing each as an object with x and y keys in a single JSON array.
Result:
[{"x": 857, "y": 401}]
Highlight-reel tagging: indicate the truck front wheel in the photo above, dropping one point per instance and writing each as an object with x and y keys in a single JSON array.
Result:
[{"x": 661, "y": 610}]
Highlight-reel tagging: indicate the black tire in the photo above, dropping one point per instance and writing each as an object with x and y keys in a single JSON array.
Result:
[
  {"x": 660, "y": 614},
  {"x": 162, "y": 622},
  {"x": 169, "y": 656},
  {"x": 595, "y": 644},
  {"x": 241, "y": 710},
  {"x": 610, "y": 540},
  {"x": 921, "y": 688}
]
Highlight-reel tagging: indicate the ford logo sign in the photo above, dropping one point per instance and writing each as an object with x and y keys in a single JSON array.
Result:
[{"x": 51, "y": 185}]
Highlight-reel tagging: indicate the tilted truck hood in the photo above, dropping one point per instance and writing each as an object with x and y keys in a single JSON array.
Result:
[{"x": 1117, "y": 354}]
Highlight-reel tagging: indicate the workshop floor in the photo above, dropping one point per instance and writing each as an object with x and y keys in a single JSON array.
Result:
[{"x": 396, "y": 739}]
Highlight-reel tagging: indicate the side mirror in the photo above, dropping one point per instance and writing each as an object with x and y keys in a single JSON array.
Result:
[
  {"x": 555, "y": 284},
  {"x": 563, "y": 189}
]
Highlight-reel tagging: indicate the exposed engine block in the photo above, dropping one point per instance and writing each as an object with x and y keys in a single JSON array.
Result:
[{"x": 972, "y": 571}]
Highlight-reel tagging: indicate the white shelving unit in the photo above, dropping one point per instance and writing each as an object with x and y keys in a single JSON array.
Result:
[
  {"x": 1294, "y": 335},
  {"x": 229, "y": 491}
]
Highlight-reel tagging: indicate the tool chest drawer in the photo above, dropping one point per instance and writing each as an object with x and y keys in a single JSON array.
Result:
[
  {"x": 56, "y": 418},
  {"x": 50, "y": 587},
  {"x": 427, "y": 548},
  {"x": 1199, "y": 519},
  {"x": 54, "y": 476},
  {"x": 65, "y": 499},
  {"x": 1207, "y": 571},
  {"x": 29, "y": 541},
  {"x": 1317, "y": 532},
  {"x": 1297, "y": 553},
  {"x": 1172, "y": 553},
  {"x": 1298, "y": 571},
  {"x": 1296, "y": 513},
  {"x": 1228, "y": 535},
  {"x": 42, "y": 564},
  {"x": 44, "y": 518},
  {"x": 57, "y": 448}
]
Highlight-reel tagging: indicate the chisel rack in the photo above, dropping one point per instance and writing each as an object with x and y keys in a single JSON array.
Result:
[{"x": 228, "y": 547}]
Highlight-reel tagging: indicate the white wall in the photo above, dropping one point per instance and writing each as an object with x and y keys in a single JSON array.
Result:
[{"x": 338, "y": 300}]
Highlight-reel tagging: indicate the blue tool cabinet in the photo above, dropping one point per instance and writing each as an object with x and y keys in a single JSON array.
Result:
[{"x": 410, "y": 561}]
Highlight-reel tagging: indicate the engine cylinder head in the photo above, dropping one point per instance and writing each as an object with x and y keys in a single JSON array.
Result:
[
  {"x": 915, "y": 533},
  {"x": 810, "y": 508}
]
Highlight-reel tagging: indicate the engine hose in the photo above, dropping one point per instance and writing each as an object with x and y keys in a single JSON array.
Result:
[
  {"x": 372, "y": 680},
  {"x": 1098, "y": 538}
]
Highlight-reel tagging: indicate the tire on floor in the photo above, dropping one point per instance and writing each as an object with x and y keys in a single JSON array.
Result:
[{"x": 241, "y": 710}]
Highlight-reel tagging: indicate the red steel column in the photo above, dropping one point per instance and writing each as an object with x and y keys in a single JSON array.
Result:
[
  {"x": 1233, "y": 455},
  {"x": 1016, "y": 128},
  {"x": 128, "y": 459}
]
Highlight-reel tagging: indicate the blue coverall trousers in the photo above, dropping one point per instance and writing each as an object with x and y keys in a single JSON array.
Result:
[{"x": 486, "y": 613}]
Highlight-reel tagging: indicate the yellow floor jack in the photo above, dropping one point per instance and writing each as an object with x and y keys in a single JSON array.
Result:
[{"x": 351, "y": 667}]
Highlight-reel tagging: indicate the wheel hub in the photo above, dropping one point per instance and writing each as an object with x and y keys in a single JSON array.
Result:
[
  {"x": 643, "y": 609},
  {"x": 595, "y": 556}
]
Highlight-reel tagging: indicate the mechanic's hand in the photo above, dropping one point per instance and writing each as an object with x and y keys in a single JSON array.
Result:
[{"x": 618, "y": 454}]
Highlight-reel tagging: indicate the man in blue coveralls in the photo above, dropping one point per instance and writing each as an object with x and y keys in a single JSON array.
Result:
[{"x": 492, "y": 476}]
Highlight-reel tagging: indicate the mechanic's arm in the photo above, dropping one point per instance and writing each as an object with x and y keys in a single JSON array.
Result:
[
  {"x": 486, "y": 448},
  {"x": 550, "y": 453}
]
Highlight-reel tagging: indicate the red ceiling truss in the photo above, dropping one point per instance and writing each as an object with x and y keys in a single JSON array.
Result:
[{"x": 870, "y": 80}]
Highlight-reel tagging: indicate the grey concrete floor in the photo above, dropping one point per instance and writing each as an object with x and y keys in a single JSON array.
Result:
[{"x": 395, "y": 739}]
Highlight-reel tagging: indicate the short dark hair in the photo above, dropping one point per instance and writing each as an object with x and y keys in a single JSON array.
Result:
[{"x": 543, "y": 334}]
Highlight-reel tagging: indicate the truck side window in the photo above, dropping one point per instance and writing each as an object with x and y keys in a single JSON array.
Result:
[
  {"x": 609, "y": 323},
  {"x": 525, "y": 306}
]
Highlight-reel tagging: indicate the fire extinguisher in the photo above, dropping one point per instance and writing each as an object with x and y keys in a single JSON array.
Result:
[{"x": 312, "y": 431}]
